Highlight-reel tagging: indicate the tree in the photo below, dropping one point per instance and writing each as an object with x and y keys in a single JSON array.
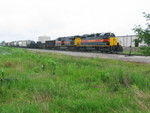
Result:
[
  {"x": 144, "y": 34},
  {"x": 2, "y": 43}
]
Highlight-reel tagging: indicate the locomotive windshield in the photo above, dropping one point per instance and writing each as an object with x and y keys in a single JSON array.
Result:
[
  {"x": 98, "y": 34},
  {"x": 109, "y": 34}
]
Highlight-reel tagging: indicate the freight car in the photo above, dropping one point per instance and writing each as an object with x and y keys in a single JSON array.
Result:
[
  {"x": 40, "y": 45},
  {"x": 50, "y": 44},
  {"x": 26, "y": 43},
  {"x": 22, "y": 43}
]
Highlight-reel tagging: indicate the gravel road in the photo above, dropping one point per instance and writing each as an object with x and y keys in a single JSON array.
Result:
[{"x": 140, "y": 59}]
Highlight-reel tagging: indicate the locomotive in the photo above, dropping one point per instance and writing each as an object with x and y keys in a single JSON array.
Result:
[{"x": 103, "y": 42}]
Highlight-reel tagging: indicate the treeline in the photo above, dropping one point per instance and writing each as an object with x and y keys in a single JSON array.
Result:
[
  {"x": 2, "y": 43},
  {"x": 144, "y": 34}
]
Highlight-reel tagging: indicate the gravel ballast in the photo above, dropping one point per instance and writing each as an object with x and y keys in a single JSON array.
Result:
[{"x": 142, "y": 59}]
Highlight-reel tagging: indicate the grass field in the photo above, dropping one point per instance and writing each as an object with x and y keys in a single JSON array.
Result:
[
  {"x": 137, "y": 51},
  {"x": 55, "y": 83}
]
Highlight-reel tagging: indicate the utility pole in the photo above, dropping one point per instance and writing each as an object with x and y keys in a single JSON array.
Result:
[{"x": 130, "y": 46}]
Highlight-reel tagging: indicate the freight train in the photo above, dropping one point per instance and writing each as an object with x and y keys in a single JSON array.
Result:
[{"x": 103, "y": 42}]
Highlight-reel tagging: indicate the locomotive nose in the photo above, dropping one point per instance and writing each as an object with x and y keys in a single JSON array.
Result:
[{"x": 113, "y": 41}]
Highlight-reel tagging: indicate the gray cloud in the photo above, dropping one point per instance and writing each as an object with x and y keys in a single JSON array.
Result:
[{"x": 28, "y": 19}]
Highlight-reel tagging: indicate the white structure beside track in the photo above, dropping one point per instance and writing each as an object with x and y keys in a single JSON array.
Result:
[{"x": 129, "y": 40}]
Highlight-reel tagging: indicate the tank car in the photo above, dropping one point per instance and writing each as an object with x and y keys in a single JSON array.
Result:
[{"x": 30, "y": 43}]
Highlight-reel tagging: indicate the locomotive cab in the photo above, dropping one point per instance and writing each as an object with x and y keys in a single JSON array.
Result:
[
  {"x": 113, "y": 42},
  {"x": 112, "y": 39}
]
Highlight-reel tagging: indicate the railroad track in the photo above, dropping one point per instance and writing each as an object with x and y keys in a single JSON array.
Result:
[
  {"x": 118, "y": 53},
  {"x": 119, "y": 56}
]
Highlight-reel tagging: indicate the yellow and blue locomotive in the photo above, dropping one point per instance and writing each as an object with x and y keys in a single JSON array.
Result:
[{"x": 104, "y": 42}]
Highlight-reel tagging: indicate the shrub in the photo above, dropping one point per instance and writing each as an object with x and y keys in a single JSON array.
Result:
[
  {"x": 1, "y": 74},
  {"x": 145, "y": 50}
]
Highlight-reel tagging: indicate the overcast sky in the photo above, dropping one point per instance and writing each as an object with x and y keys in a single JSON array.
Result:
[{"x": 28, "y": 19}]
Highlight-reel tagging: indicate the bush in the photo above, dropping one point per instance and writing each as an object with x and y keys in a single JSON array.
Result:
[{"x": 145, "y": 50}]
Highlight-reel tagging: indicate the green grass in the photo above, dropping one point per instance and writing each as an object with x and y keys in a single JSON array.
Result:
[
  {"x": 132, "y": 52},
  {"x": 35, "y": 82},
  {"x": 138, "y": 51}
]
